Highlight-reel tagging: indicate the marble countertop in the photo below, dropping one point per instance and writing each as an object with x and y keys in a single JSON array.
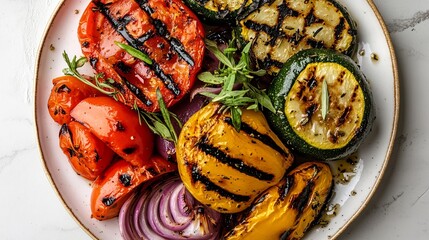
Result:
[{"x": 30, "y": 208}]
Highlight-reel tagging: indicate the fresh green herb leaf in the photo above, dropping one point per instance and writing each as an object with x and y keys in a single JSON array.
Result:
[
  {"x": 325, "y": 100},
  {"x": 234, "y": 78},
  {"x": 135, "y": 52},
  {"x": 74, "y": 64},
  {"x": 160, "y": 123}
]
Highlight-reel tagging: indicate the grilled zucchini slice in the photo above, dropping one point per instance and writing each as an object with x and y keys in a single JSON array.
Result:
[
  {"x": 287, "y": 210},
  {"x": 281, "y": 28},
  {"x": 326, "y": 131},
  {"x": 225, "y": 169},
  {"x": 213, "y": 11}
]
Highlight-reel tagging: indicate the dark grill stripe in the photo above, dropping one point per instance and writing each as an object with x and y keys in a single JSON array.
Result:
[
  {"x": 235, "y": 163},
  {"x": 338, "y": 30},
  {"x": 137, "y": 92},
  {"x": 120, "y": 26},
  {"x": 163, "y": 32},
  {"x": 210, "y": 186},
  {"x": 267, "y": 140}
]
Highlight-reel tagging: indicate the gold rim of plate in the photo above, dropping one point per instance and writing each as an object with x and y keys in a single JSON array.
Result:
[{"x": 342, "y": 228}]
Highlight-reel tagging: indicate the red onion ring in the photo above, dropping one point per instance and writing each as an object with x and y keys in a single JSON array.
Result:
[{"x": 163, "y": 209}]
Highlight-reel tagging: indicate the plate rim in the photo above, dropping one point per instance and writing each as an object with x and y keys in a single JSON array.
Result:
[{"x": 396, "y": 110}]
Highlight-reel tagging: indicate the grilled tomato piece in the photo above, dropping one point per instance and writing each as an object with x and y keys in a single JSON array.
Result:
[
  {"x": 87, "y": 154},
  {"x": 113, "y": 187},
  {"x": 324, "y": 106},
  {"x": 165, "y": 30},
  {"x": 225, "y": 169},
  {"x": 118, "y": 126},
  {"x": 287, "y": 210},
  {"x": 66, "y": 93},
  {"x": 281, "y": 28}
]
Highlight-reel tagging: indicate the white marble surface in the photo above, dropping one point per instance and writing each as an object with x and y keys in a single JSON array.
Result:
[{"x": 30, "y": 209}]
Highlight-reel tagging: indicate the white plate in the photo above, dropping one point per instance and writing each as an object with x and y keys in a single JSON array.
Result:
[{"x": 74, "y": 191}]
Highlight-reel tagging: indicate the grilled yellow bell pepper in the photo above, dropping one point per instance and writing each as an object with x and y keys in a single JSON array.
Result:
[
  {"x": 287, "y": 210},
  {"x": 226, "y": 169}
]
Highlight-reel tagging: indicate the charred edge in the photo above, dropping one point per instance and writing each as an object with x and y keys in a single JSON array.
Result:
[
  {"x": 268, "y": 62},
  {"x": 315, "y": 44},
  {"x": 137, "y": 92},
  {"x": 312, "y": 82},
  {"x": 310, "y": 111},
  {"x": 146, "y": 36},
  {"x": 284, "y": 189},
  {"x": 118, "y": 126},
  {"x": 97, "y": 156},
  {"x": 210, "y": 186},
  {"x": 108, "y": 201},
  {"x": 339, "y": 30},
  {"x": 129, "y": 150},
  {"x": 93, "y": 61},
  {"x": 125, "y": 179},
  {"x": 265, "y": 139},
  {"x": 285, "y": 11},
  {"x": 235, "y": 163},
  {"x": 120, "y": 26},
  {"x": 302, "y": 200},
  {"x": 311, "y": 18},
  {"x": 344, "y": 116},
  {"x": 63, "y": 89},
  {"x": 163, "y": 32},
  {"x": 285, "y": 235},
  {"x": 166, "y": 79},
  {"x": 65, "y": 131},
  {"x": 123, "y": 67}
]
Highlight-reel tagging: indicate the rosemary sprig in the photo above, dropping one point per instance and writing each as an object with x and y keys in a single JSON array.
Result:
[
  {"x": 324, "y": 100},
  {"x": 231, "y": 74},
  {"x": 135, "y": 52},
  {"x": 75, "y": 63}
]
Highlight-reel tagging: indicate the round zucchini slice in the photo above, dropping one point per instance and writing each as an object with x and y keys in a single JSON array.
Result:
[
  {"x": 213, "y": 11},
  {"x": 281, "y": 28},
  {"x": 324, "y": 105}
]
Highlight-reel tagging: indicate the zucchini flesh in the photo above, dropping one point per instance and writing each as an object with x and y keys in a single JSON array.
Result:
[
  {"x": 325, "y": 131},
  {"x": 346, "y": 105},
  {"x": 213, "y": 11},
  {"x": 281, "y": 28}
]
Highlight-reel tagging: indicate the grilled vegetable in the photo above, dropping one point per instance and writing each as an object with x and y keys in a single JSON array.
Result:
[
  {"x": 324, "y": 104},
  {"x": 281, "y": 28},
  {"x": 287, "y": 210},
  {"x": 225, "y": 169},
  {"x": 118, "y": 126},
  {"x": 165, "y": 30},
  {"x": 112, "y": 188},
  {"x": 214, "y": 11},
  {"x": 66, "y": 93},
  {"x": 87, "y": 154}
]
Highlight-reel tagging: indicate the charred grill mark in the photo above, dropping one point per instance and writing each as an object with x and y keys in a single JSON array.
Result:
[
  {"x": 137, "y": 92},
  {"x": 108, "y": 201},
  {"x": 125, "y": 179},
  {"x": 210, "y": 186},
  {"x": 311, "y": 82},
  {"x": 146, "y": 36},
  {"x": 302, "y": 200},
  {"x": 265, "y": 139},
  {"x": 315, "y": 44},
  {"x": 340, "y": 77},
  {"x": 354, "y": 94},
  {"x": 123, "y": 67},
  {"x": 285, "y": 235},
  {"x": 284, "y": 189},
  {"x": 118, "y": 126},
  {"x": 344, "y": 116},
  {"x": 311, "y": 18},
  {"x": 162, "y": 30},
  {"x": 268, "y": 62},
  {"x": 63, "y": 89},
  {"x": 235, "y": 163},
  {"x": 64, "y": 130},
  {"x": 93, "y": 61},
  {"x": 309, "y": 111},
  {"x": 339, "y": 30},
  {"x": 119, "y": 26},
  {"x": 129, "y": 150}
]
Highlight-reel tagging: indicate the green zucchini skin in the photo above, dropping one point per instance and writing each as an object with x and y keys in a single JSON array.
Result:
[
  {"x": 282, "y": 84},
  {"x": 277, "y": 32}
]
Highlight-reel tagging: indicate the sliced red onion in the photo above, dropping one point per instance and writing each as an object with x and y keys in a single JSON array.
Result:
[
  {"x": 163, "y": 209},
  {"x": 184, "y": 110}
]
